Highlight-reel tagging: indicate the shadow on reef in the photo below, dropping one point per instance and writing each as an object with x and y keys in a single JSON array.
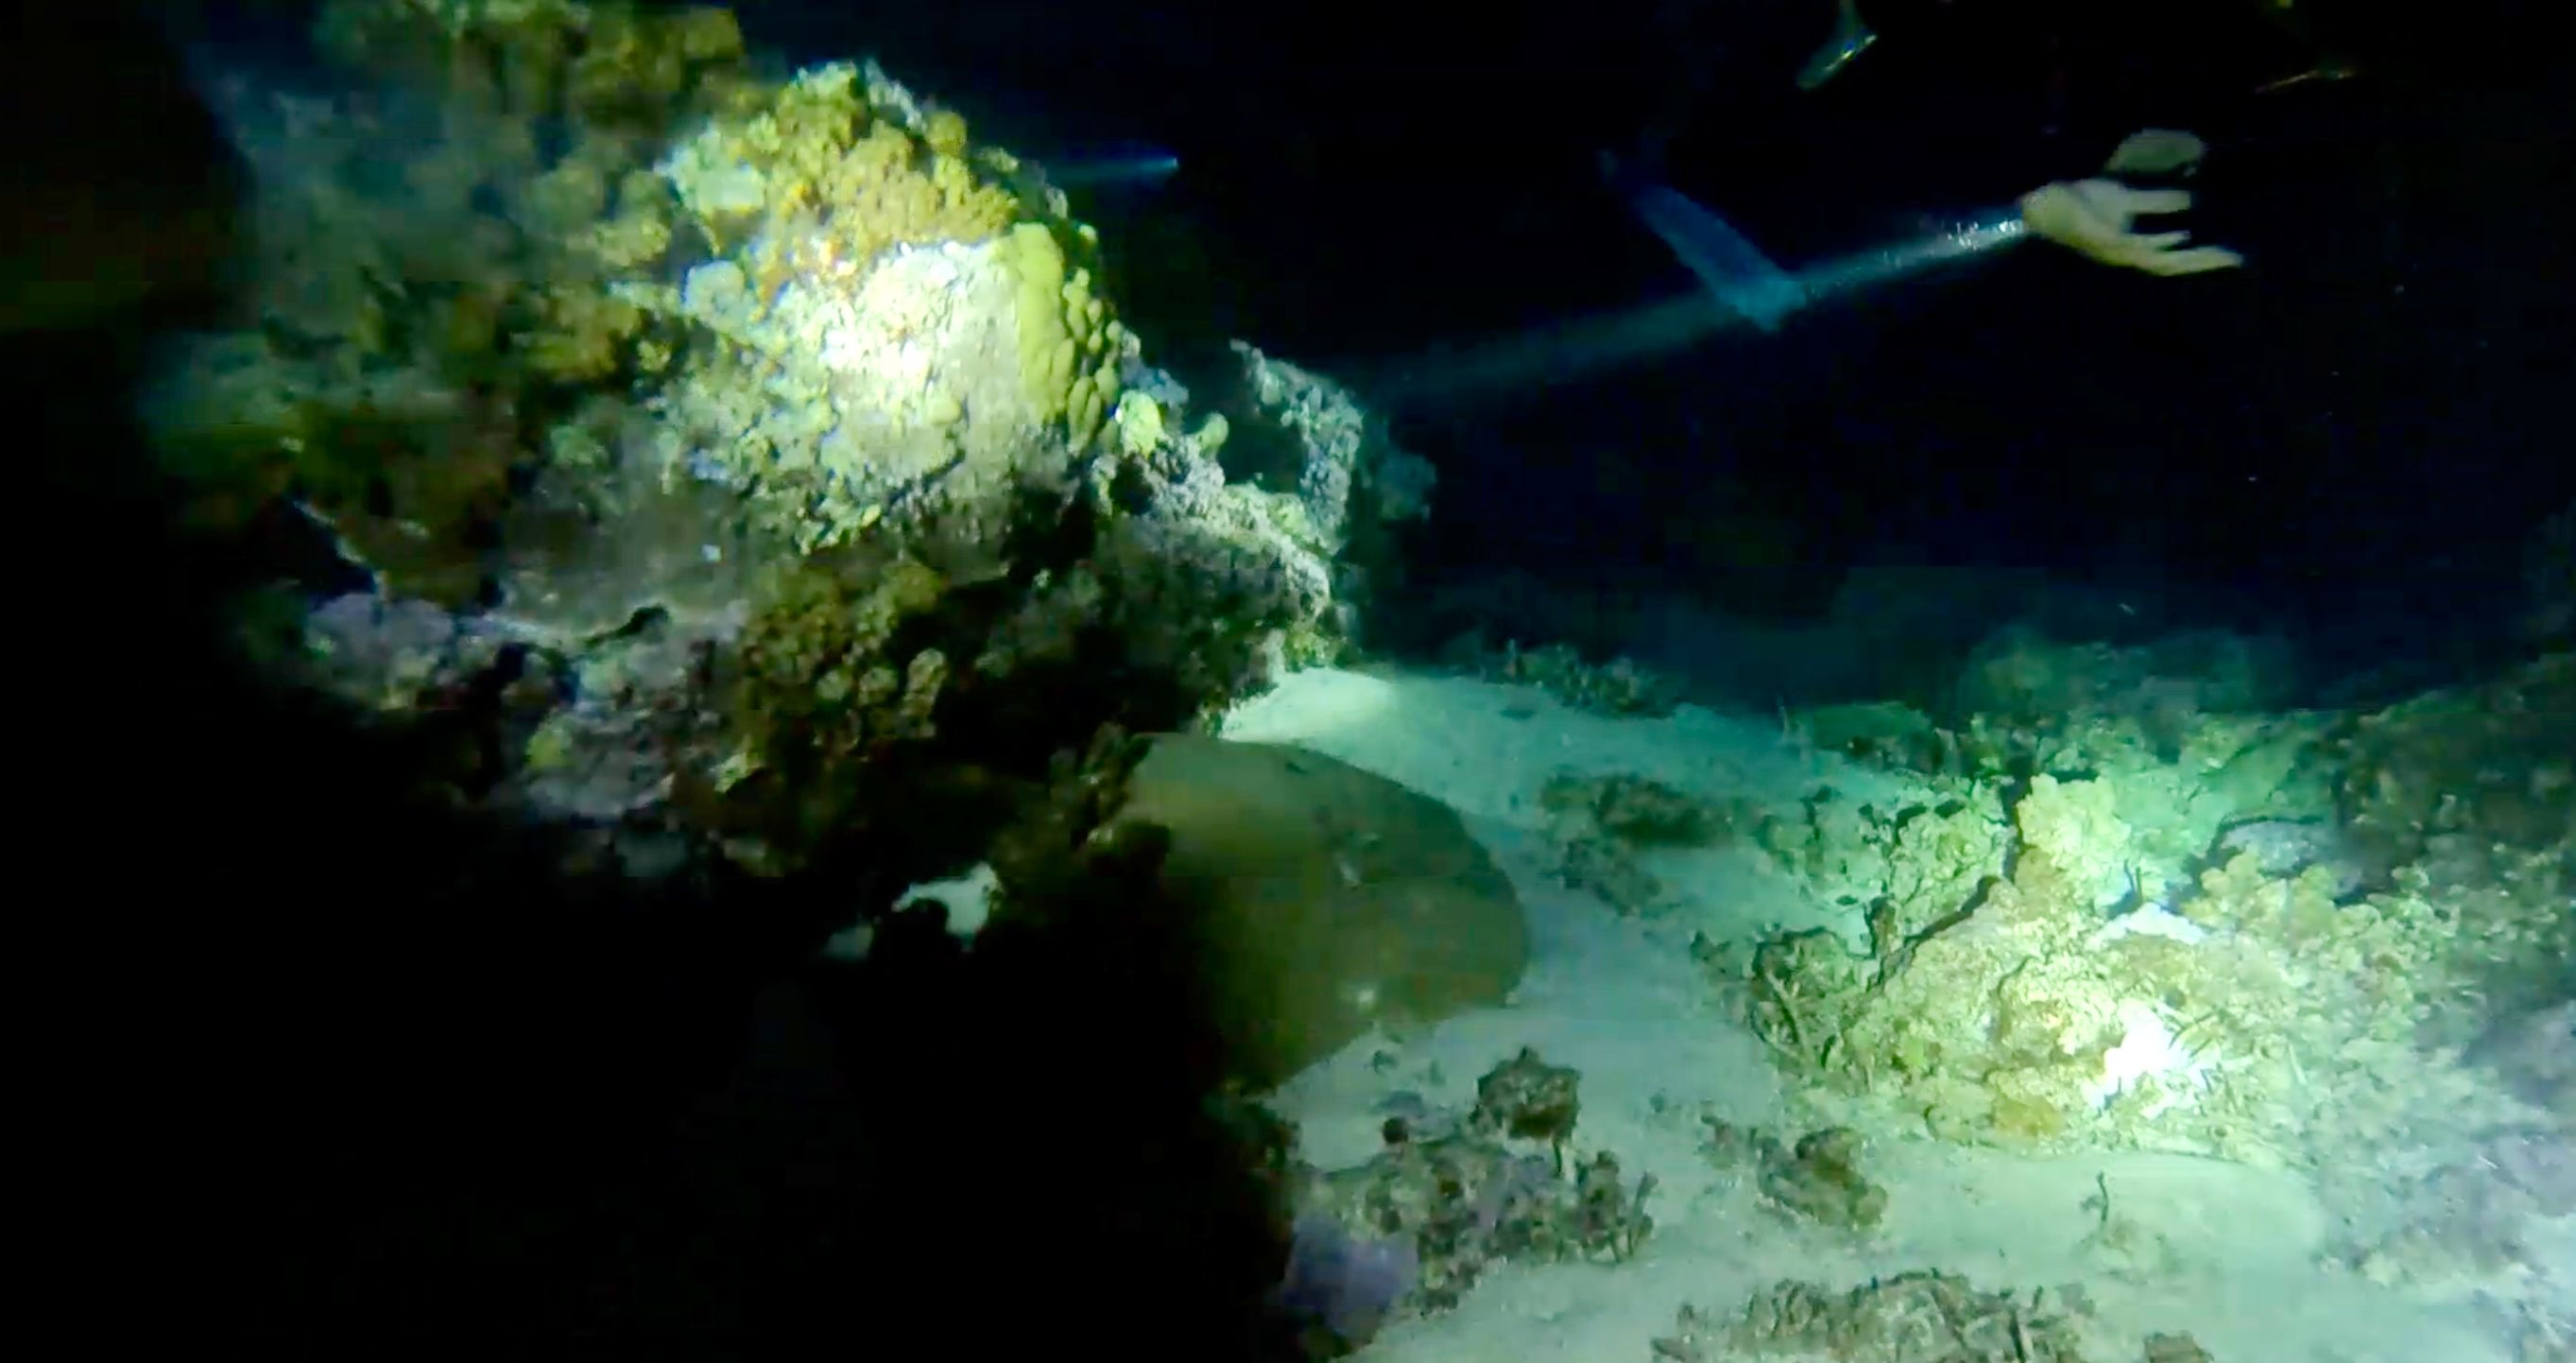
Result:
[
  {"x": 370, "y": 1072},
  {"x": 464, "y": 1096},
  {"x": 415, "y": 1086}
]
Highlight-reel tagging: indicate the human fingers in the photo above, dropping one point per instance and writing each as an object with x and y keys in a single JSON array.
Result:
[
  {"x": 2156, "y": 151},
  {"x": 2155, "y": 200},
  {"x": 2198, "y": 260}
]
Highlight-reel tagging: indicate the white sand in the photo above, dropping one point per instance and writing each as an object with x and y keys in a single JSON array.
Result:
[{"x": 2228, "y": 1253}]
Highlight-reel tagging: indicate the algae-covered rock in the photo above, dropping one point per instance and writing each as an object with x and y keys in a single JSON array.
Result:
[
  {"x": 1453, "y": 1194},
  {"x": 1601, "y": 823},
  {"x": 1889, "y": 731},
  {"x": 1924, "y": 1316},
  {"x": 1636, "y": 809},
  {"x": 1618, "y": 687},
  {"x": 1330, "y": 901},
  {"x": 1818, "y": 1179},
  {"x": 2492, "y": 764}
]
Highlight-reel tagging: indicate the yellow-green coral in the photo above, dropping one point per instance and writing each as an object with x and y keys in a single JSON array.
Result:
[
  {"x": 2023, "y": 1016},
  {"x": 1920, "y": 862},
  {"x": 1048, "y": 350},
  {"x": 2298, "y": 1013},
  {"x": 1066, "y": 341},
  {"x": 440, "y": 266},
  {"x": 817, "y": 679},
  {"x": 582, "y": 335},
  {"x": 2075, "y": 826},
  {"x": 818, "y": 182},
  {"x": 914, "y": 340},
  {"x": 2005, "y": 1023},
  {"x": 831, "y": 682},
  {"x": 1140, "y": 425}
]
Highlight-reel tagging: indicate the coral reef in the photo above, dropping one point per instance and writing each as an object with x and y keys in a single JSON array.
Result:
[
  {"x": 1620, "y": 686},
  {"x": 2483, "y": 1212},
  {"x": 430, "y": 267},
  {"x": 2215, "y": 952},
  {"x": 1914, "y": 864},
  {"x": 2033, "y": 698},
  {"x": 1528, "y": 1099},
  {"x": 1336, "y": 459},
  {"x": 1883, "y": 731},
  {"x": 2473, "y": 779},
  {"x": 1635, "y": 809},
  {"x": 726, "y": 453},
  {"x": 2538, "y": 1335},
  {"x": 1918, "y": 1317},
  {"x": 1451, "y": 1195},
  {"x": 1600, "y": 824},
  {"x": 924, "y": 347},
  {"x": 2534, "y": 1053},
  {"x": 1818, "y": 1179}
]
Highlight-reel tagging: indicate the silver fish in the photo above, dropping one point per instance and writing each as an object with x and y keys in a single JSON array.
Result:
[{"x": 1851, "y": 37}]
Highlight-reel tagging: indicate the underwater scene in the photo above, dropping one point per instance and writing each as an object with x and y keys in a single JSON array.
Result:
[{"x": 1696, "y": 682}]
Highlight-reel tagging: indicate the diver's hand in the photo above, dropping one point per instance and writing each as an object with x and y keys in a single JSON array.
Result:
[
  {"x": 2156, "y": 151},
  {"x": 2095, "y": 217}
]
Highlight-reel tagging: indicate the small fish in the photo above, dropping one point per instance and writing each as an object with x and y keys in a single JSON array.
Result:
[
  {"x": 1851, "y": 37},
  {"x": 2326, "y": 66},
  {"x": 2325, "y": 70}
]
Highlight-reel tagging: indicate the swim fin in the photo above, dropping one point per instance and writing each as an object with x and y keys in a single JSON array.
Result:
[{"x": 1732, "y": 268}]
